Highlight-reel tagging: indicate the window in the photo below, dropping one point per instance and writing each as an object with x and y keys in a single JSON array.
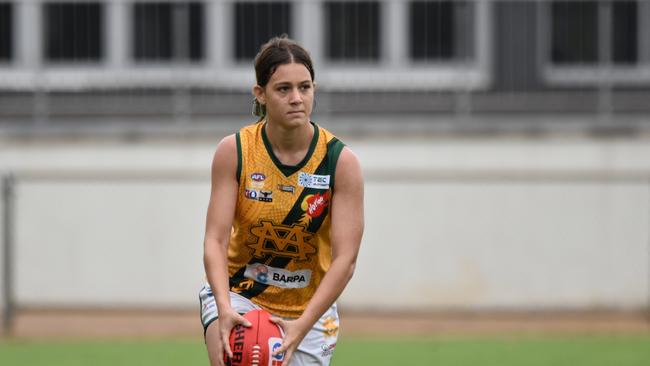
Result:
[
  {"x": 6, "y": 34},
  {"x": 257, "y": 22},
  {"x": 352, "y": 30},
  {"x": 168, "y": 31},
  {"x": 624, "y": 32},
  {"x": 441, "y": 30},
  {"x": 73, "y": 32},
  {"x": 578, "y": 37}
]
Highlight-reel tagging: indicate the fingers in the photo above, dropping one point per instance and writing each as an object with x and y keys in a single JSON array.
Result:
[
  {"x": 243, "y": 321},
  {"x": 225, "y": 341},
  {"x": 278, "y": 321},
  {"x": 287, "y": 358}
]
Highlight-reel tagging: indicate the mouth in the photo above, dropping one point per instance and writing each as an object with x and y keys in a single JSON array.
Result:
[{"x": 293, "y": 113}]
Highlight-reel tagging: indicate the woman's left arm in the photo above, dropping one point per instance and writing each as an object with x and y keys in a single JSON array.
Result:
[{"x": 346, "y": 210}]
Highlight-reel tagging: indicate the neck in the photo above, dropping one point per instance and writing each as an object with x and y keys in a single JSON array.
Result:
[{"x": 289, "y": 145}]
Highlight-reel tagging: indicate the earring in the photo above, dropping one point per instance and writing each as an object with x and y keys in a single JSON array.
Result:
[{"x": 259, "y": 110}]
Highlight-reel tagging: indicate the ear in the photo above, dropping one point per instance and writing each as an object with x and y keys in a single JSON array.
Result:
[{"x": 259, "y": 94}]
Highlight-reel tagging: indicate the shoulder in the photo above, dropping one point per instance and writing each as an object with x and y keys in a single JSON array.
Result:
[
  {"x": 227, "y": 146},
  {"x": 348, "y": 170},
  {"x": 348, "y": 160},
  {"x": 226, "y": 156}
]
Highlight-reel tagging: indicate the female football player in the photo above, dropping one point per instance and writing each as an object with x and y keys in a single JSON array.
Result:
[{"x": 285, "y": 217}]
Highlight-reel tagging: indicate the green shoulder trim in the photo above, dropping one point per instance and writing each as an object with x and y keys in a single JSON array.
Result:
[
  {"x": 334, "y": 148},
  {"x": 239, "y": 157}
]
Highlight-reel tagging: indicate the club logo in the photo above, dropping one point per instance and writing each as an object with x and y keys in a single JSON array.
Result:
[
  {"x": 281, "y": 240},
  {"x": 330, "y": 327}
]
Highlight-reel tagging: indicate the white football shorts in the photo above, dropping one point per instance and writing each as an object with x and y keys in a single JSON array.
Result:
[{"x": 315, "y": 349}]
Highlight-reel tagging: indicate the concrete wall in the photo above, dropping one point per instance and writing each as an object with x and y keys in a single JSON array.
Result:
[{"x": 464, "y": 224}]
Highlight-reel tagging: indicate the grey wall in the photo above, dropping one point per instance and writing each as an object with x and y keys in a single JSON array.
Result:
[{"x": 450, "y": 223}]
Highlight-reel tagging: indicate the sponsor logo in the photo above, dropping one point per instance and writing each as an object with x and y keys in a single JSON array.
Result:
[
  {"x": 281, "y": 240},
  {"x": 313, "y": 180},
  {"x": 260, "y": 273},
  {"x": 314, "y": 204},
  {"x": 208, "y": 305},
  {"x": 238, "y": 345},
  {"x": 266, "y": 196},
  {"x": 251, "y": 194},
  {"x": 278, "y": 277},
  {"x": 328, "y": 349},
  {"x": 285, "y": 188},
  {"x": 258, "y": 177},
  {"x": 274, "y": 344}
]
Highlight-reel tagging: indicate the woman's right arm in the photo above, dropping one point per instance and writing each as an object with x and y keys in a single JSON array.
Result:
[{"x": 218, "y": 227}]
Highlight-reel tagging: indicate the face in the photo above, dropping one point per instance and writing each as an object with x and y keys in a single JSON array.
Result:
[{"x": 288, "y": 96}]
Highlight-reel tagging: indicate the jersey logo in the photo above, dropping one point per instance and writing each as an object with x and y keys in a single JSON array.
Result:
[
  {"x": 281, "y": 240},
  {"x": 313, "y": 180}
]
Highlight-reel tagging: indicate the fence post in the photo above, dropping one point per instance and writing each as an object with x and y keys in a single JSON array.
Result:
[{"x": 7, "y": 255}]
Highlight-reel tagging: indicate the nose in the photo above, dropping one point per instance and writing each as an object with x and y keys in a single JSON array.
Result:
[{"x": 296, "y": 97}]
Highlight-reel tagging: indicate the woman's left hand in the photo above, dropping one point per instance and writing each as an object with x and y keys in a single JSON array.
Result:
[{"x": 294, "y": 332}]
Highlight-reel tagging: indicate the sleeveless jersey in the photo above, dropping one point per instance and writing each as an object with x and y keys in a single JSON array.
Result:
[{"x": 280, "y": 245}]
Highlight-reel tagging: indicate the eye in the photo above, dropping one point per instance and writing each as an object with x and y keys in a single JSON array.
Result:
[
  {"x": 305, "y": 87},
  {"x": 283, "y": 89}
]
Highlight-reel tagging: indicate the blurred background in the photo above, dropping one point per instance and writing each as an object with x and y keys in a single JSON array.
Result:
[{"x": 505, "y": 148}]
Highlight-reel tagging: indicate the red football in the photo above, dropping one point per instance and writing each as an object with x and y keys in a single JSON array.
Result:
[{"x": 254, "y": 345}]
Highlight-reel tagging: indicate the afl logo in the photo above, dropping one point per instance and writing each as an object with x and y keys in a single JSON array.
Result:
[{"x": 258, "y": 177}]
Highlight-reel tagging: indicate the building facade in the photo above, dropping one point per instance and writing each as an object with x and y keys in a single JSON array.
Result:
[{"x": 454, "y": 65}]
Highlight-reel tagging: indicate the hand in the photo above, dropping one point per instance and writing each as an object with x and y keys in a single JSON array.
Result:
[
  {"x": 294, "y": 332},
  {"x": 227, "y": 320}
]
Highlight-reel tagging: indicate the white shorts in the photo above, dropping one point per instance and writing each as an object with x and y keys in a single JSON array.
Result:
[{"x": 315, "y": 349}]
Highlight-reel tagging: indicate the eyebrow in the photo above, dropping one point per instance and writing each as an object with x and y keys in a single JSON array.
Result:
[{"x": 289, "y": 83}]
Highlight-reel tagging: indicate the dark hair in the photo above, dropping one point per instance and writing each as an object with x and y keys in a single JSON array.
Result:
[
  {"x": 280, "y": 51},
  {"x": 277, "y": 51}
]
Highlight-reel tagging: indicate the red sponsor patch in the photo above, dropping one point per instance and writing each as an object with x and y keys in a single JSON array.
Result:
[{"x": 316, "y": 203}]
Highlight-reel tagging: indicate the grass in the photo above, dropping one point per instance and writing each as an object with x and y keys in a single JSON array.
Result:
[{"x": 550, "y": 351}]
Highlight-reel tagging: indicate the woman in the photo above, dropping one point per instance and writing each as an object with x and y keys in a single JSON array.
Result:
[{"x": 285, "y": 217}]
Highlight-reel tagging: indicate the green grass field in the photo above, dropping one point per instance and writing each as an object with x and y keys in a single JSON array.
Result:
[{"x": 552, "y": 351}]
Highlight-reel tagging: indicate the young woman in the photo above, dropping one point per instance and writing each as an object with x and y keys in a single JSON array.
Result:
[{"x": 285, "y": 217}]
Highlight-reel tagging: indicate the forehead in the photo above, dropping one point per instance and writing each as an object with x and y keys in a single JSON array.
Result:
[{"x": 292, "y": 73}]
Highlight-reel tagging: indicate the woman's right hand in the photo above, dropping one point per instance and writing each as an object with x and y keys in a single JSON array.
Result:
[{"x": 228, "y": 319}]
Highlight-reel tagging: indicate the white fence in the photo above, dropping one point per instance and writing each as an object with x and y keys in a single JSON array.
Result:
[{"x": 493, "y": 224}]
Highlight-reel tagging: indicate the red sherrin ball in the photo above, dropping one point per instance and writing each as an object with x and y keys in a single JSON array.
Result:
[{"x": 254, "y": 345}]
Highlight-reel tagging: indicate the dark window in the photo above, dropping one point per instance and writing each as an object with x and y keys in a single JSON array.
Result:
[
  {"x": 432, "y": 30},
  {"x": 256, "y": 23},
  {"x": 168, "y": 31},
  {"x": 575, "y": 32},
  {"x": 353, "y": 31},
  {"x": 6, "y": 32},
  {"x": 73, "y": 31},
  {"x": 624, "y": 32},
  {"x": 441, "y": 30},
  {"x": 577, "y": 35}
]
